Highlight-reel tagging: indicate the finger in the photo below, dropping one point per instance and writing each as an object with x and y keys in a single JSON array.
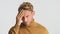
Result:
[
  {"x": 21, "y": 13},
  {"x": 18, "y": 15}
]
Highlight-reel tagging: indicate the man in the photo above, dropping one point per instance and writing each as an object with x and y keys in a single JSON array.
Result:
[{"x": 25, "y": 23}]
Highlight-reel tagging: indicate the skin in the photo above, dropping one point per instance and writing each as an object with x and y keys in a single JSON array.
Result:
[{"x": 25, "y": 16}]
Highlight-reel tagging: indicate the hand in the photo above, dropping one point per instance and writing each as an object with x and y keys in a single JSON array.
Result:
[{"x": 19, "y": 18}]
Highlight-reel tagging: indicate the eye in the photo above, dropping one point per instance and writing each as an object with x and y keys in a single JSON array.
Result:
[{"x": 27, "y": 15}]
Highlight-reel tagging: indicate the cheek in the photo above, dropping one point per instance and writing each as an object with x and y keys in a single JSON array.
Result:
[{"x": 29, "y": 18}]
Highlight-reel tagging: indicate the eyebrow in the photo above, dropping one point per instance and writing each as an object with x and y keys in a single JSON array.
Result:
[{"x": 27, "y": 15}]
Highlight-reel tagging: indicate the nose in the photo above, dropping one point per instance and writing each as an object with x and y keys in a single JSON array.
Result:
[{"x": 24, "y": 19}]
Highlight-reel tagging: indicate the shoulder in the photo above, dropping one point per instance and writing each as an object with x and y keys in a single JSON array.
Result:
[
  {"x": 42, "y": 28},
  {"x": 14, "y": 27},
  {"x": 11, "y": 30}
]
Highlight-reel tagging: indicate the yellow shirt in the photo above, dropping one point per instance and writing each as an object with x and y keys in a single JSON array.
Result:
[{"x": 34, "y": 28}]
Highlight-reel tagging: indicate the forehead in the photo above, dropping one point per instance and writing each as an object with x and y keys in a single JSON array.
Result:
[{"x": 27, "y": 12}]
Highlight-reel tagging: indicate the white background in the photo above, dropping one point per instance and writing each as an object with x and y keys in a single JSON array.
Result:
[{"x": 47, "y": 13}]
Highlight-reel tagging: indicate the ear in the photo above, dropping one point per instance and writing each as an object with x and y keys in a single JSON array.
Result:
[{"x": 33, "y": 13}]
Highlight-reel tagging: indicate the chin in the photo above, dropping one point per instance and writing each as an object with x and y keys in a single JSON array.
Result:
[{"x": 27, "y": 24}]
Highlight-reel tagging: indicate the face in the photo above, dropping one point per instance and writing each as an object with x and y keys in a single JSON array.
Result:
[{"x": 28, "y": 16}]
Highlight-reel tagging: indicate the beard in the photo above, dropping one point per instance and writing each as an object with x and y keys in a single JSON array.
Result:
[{"x": 26, "y": 23}]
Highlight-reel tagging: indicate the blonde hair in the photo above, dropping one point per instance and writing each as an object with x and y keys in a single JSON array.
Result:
[{"x": 25, "y": 6}]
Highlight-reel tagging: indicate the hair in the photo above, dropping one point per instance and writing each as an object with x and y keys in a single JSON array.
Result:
[{"x": 25, "y": 6}]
